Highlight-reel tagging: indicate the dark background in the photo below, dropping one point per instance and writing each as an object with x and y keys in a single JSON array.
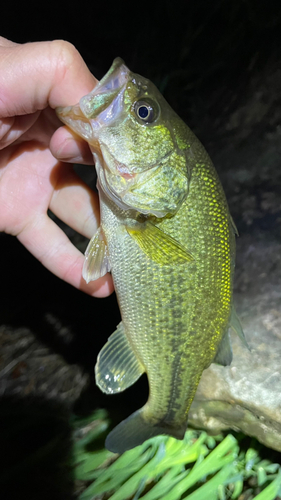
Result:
[{"x": 219, "y": 65}]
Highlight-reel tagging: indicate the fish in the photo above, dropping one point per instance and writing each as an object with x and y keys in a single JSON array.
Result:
[{"x": 168, "y": 239}]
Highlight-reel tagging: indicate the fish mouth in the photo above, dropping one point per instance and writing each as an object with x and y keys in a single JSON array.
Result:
[
  {"x": 99, "y": 107},
  {"x": 103, "y": 103}
]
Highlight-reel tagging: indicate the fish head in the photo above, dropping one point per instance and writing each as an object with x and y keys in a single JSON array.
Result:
[{"x": 133, "y": 134}]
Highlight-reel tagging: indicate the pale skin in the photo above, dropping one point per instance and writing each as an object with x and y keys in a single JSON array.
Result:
[{"x": 36, "y": 153}]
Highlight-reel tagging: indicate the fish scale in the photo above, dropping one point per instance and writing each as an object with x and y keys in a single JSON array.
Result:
[{"x": 168, "y": 238}]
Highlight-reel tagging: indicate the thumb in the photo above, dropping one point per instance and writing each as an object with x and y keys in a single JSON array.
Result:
[{"x": 40, "y": 74}]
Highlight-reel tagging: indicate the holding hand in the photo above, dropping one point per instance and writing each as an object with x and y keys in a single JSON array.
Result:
[{"x": 35, "y": 78}]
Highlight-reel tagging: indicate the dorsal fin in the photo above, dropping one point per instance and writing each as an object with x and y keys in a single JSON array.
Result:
[{"x": 236, "y": 326}]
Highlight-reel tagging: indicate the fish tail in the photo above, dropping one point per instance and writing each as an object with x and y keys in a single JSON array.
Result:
[{"x": 134, "y": 430}]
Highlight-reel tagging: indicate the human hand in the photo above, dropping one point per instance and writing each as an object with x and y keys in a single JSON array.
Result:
[{"x": 35, "y": 78}]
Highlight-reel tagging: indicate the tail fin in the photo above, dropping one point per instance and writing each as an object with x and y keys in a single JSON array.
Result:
[{"x": 134, "y": 430}]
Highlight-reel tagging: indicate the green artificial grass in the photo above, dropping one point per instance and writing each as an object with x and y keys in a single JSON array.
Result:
[
  {"x": 198, "y": 468},
  {"x": 46, "y": 454}
]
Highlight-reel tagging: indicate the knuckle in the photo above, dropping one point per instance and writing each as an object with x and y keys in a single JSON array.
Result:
[{"x": 65, "y": 55}]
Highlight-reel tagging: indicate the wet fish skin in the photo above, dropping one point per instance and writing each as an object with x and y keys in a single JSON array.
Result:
[{"x": 168, "y": 238}]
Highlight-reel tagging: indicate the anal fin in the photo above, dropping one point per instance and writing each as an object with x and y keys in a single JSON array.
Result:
[{"x": 117, "y": 367}]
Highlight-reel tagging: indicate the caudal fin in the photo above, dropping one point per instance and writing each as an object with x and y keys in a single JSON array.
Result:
[{"x": 134, "y": 430}]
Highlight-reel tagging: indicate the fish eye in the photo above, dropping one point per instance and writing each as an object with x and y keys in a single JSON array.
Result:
[{"x": 146, "y": 110}]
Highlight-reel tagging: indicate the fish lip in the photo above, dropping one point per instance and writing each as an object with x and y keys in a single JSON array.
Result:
[{"x": 112, "y": 85}]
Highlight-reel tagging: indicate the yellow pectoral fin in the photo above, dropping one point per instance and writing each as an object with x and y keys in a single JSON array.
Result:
[{"x": 158, "y": 246}]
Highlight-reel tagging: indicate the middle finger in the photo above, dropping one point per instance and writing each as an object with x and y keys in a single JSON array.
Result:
[
  {"x": 73, "y": 201},
  {"x": 66, "y": 146}
]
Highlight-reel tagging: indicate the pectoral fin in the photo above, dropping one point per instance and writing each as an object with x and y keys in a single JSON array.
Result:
[
  {"x": 159, "y": 246},
  {"x": 96, "y": 262},
  {"x": 224, "y": 352},
  {"x": 236, "y": 326},
  {"x": 117, "y": 367}
]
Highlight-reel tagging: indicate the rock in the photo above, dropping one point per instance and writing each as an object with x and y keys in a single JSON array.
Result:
[{"x": 28, "y": 368}]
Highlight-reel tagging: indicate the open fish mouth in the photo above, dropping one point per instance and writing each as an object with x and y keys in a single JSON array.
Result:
[{"x": 99, "y": 107}]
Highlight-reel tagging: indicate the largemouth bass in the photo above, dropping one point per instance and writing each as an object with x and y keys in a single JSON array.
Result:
[{"x": 168, "y": 239}]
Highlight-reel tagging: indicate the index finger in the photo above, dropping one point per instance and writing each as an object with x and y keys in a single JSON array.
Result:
[{"x": 40, "y": 74}]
